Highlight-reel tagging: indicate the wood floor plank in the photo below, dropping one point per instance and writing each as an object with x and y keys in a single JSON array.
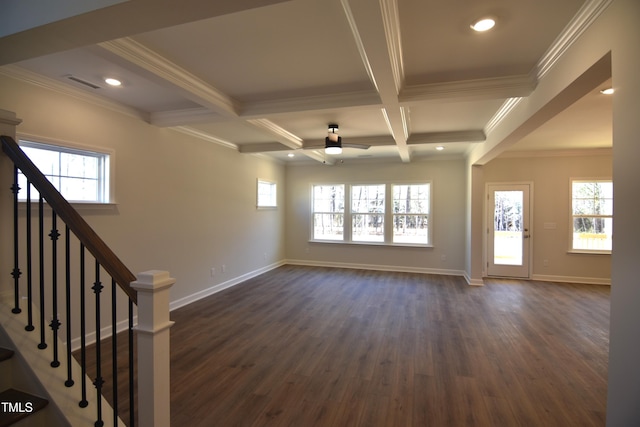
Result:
[{"x": 312, "y": 346}]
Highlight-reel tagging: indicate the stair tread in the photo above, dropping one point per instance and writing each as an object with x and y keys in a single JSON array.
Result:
[
  {"x": 29, "y": 404},
  {"x": 5, "y": 354}
]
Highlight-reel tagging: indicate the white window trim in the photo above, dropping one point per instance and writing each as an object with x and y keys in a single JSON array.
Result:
[
  {"x": 275, "y": 198},
  {"x": 388, "y": 214},
  {"x": 71, "y": 146},
  {"x": 570, "y": 249}
]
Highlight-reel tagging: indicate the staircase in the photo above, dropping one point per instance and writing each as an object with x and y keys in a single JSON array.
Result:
[
  {"x": 17, "y": 407},
  {"x": 50, "y": 288}
]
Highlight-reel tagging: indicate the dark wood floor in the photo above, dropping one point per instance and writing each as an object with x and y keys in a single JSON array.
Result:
[{"x": 304, "y": 346}]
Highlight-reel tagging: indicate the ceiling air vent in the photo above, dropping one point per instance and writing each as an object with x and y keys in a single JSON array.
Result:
[{"x": 83, "y": 82}]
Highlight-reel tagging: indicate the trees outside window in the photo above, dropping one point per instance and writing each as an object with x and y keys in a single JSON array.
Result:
[
  {"x": 79, "y": 175},
  {"x": 411, "y": 213},
  {"x": 592, "y": 215},
  {"x": 366, "y": 218},
  {"x": 328, "y": 212},
  {"x": 367, "y": 213}
]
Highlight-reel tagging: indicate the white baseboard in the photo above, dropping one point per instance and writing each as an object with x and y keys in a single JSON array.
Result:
[
  {"x": 473, "y": 282},
  {"x": 222, "y": 286},
  {"x": 572, "y": 279},
  {"x": 376, "y": 267}
]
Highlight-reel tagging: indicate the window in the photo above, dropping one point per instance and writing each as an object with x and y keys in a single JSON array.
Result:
[
  {"x": 328, "y": 212},
  {"x": 592, "y": 215},
  {"x": 267, "y": 194},
  {"x": 367, "y": 213},
  {"x": 79, "y": 175},
  {"x": 411, "y": 213},
  {"x": 366, "y": 218}
]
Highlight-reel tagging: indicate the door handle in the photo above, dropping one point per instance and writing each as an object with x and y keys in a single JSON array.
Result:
[{"x": 526, "y": 236}]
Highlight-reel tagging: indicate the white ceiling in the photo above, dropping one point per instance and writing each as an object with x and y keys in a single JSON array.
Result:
[{"x": 401, "y": 75}]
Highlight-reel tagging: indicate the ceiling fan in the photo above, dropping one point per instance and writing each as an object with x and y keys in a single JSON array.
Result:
[{"x": 333, "y": 142}]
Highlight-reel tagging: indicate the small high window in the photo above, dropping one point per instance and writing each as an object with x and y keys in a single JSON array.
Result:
[
  {"x": 267, "y": 194},
  {"x": 79, "y": 175}
]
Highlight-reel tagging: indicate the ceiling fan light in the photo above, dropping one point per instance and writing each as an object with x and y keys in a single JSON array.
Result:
[{"x": 333, "y": 150}]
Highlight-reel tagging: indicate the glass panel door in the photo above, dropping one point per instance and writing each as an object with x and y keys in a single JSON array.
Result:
[{"x": 508, "y": 231}]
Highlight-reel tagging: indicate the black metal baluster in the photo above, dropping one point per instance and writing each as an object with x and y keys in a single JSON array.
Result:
[
  {"x": 67, "y": 248},
  {"x": 114, "y": 351},
  {"x": 132, "y": 415},
  {"x": 29, "y": 326},
  {"x": 15, "y": 188},
  {"x": 83, "y": 329},
  {"x": 43, "y": 343},
  {"x": 55, "y": 323},
  {"x": 98, "y": 382}
]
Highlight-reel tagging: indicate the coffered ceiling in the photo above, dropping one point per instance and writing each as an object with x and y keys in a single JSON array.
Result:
[{"x": 267, "y": 77}]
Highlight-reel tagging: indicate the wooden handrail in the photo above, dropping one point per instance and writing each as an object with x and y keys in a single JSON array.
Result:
[{"x": 87, "y": 236}]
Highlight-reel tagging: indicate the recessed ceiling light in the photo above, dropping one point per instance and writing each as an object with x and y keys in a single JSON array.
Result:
[
  {"x": 483, "y": 24},
  {"x": 607, "y": 91},
  {"x": 290, "y": 154},
  {"x": 439, "y": 148},
  {"x": 112, "y": 82}
]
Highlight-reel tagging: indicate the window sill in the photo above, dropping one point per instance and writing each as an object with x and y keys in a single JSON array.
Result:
[
  {"x": 585, "y": 252},
  {"x": 403, "y": 245}
]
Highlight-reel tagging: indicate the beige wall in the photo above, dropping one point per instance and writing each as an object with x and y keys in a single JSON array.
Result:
[
  {"x": 614, "y": 33},
  {"x": 551, "y": 204},
  {"x": 448, "y": 186},
  {"x": 183, "y": 204}
]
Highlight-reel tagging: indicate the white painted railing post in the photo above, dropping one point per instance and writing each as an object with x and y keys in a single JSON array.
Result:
[{"x": 152, "y": 335}]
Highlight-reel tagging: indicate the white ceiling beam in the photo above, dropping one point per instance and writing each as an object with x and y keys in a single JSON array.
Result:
[
  {"x": 282, "y": 135},
  {"x": 489, "y": 88},
  {"x": 376, "y": 32},
  {"x": 444, "y": 137},
  {"x": 193, "y": 87}
]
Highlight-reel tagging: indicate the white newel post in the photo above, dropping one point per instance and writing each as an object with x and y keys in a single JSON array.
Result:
[{"x": 152, "y": 335}]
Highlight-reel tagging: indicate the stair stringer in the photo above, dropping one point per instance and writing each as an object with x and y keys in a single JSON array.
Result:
[{"x": 51, "y": 380}]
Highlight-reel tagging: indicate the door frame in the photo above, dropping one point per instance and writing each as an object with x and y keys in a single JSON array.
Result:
[{"x": 488, "y": 222}]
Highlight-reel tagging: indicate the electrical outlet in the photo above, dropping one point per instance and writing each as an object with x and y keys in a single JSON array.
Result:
[
  {"x": 213, "y": 272},
  {"x": 224, "y": 268}
]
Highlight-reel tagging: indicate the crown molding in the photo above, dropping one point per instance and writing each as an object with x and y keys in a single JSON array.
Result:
[
  {"x": 138, "y": 54},
  {"x": 502, "y": 112},
  {"x": 282, "y": 135},
  {"x": 587, "y": 14},
  {"x": 24, "y": 75},
  {"x": 351, "y": 20},
  {"x": 205, "y": 136},
  {"x": 489, "y": 88},
  {"x": 391, "y": 21}
]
